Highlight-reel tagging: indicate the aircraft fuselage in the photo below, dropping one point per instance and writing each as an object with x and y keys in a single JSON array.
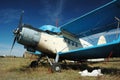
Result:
[{"x": 34, "y": 39}]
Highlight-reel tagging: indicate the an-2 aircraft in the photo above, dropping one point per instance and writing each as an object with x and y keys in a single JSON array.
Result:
[{"x": 68, "y": 44}]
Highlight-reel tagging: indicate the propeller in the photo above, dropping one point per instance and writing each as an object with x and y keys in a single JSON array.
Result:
[{"x": 17, "y": 31}]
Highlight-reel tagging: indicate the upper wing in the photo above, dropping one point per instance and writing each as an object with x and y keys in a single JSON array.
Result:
[{"x": 95, "y": 21}]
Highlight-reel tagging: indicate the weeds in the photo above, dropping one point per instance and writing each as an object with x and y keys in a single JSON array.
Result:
[{"x": 18, "y": 69}]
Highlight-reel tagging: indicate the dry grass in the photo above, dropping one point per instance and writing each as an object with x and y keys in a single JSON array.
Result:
[{"x": 18, "y": 69}]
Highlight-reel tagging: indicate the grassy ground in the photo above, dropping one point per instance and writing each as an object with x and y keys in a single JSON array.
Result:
[{"x": 18, "y": 69}]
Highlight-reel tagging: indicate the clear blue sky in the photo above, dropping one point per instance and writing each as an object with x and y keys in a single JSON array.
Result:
[{"x": 38, "y": 13}]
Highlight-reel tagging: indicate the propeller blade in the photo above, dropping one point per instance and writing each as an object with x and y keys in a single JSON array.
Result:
[
  {"x": 117, "y": 31},
  {"x": 20, "y": 21},
  {"x": 13, "y": 44},
  {"x": 17, "y": 31}
]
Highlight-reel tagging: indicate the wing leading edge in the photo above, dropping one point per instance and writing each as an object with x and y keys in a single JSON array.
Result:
[{"x": 95, "y": 21}]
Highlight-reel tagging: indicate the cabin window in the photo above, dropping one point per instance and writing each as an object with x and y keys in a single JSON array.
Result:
[
  {"x": 76, "y": 45},
  {"x": 68, "y": 41},
  {"x": 65, "y": 40},
  {"x": 72, "y": 43}
]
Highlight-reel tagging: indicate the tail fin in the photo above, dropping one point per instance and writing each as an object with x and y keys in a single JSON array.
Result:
[
  {"x": 101, "y": 40},
  {"x": 85, "y": 43}
]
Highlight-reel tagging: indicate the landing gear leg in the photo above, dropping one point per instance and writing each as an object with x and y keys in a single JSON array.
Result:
[{"x": 55, "y": 67}]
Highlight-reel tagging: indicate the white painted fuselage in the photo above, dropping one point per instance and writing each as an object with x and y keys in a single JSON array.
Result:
[{"x": 54, "y": 44}]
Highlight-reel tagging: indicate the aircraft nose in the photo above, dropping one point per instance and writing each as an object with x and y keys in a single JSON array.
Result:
[{"x": 29, "y": 37}]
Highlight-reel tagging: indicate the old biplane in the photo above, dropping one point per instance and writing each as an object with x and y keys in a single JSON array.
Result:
[{"x": 68, "y": 41}]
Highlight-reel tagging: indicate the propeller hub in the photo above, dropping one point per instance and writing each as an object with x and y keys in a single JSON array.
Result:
[{"x": 16, "y": 31}]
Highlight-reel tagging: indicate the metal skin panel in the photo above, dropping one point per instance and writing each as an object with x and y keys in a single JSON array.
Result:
[
  {"x": 29, "y": 37},
  {"x": 52, "y": 44},
  {"x": 34, "y": 39}
]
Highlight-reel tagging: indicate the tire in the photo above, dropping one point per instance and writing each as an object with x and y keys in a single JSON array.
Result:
[
  {"x": 34, "y": 64},
  {"x": 56, "y": 67}
]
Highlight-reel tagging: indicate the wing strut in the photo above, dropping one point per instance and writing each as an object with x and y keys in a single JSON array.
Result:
[{"x": 117, "y": 26}]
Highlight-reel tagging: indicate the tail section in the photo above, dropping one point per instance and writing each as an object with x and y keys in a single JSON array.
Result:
[{"x": 101, "y": 40}]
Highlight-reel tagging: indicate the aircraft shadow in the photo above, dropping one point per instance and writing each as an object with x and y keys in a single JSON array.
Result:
[
  {"x": 81, "y": 67},
  {"x": 84, "y": 66}
]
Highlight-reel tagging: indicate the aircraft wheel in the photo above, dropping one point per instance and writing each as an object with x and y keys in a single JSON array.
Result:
[
  {"x": 34, "y": 64},
  {"x": 56, "y": 67}
]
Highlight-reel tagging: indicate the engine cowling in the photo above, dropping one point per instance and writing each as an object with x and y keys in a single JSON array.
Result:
[{"x": 29, "y": 37}]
